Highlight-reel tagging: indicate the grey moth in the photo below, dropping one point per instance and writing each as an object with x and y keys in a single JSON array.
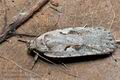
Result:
[{"x": 74, "y": 42}]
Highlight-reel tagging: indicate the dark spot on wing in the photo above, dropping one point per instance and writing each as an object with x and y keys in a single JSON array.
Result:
[
  {"x": 63, "y": 33},
  {"x": 81, "y": 33},
  {"x": 76, "y": 47},
  {"x": 73, "y": 32},
  {"x": 66, "y": 47}
]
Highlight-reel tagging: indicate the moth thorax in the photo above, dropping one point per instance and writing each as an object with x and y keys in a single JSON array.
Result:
[
  {"x": 32, "y": 44},
  {"x": 38, "y": 45}
]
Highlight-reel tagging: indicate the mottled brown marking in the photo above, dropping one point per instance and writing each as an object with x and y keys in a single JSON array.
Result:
[
  {"x": 76, "y": 32},
  {"x": 67, "y": 47},
  {"x": 76, "y": 47}
]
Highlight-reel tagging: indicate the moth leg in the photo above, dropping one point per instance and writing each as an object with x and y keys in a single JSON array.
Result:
[
  {"x": 60, "y": 68},
  {"x": 23, "y": 34},
  {"x": 64, "y": 65},
  {"x": 36, "y": 59},
  {"x": 23, "y": 41},
  {"x": 49, "y": 60},
  {"x": 43, "y": 57}
]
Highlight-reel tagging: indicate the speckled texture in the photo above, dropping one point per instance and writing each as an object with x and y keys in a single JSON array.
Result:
[{"x": 72, "y": 42}]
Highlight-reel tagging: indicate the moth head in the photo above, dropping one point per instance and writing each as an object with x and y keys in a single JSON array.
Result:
[
  {"x": 37, "y": 45},
  {"x": 31, "y": 45}
]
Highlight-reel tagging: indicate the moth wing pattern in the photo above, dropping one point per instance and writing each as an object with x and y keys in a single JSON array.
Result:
[{"x": 78, "y": 41}]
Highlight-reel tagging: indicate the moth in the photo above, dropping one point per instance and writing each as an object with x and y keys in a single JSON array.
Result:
[{"x": 74, "y": 42}]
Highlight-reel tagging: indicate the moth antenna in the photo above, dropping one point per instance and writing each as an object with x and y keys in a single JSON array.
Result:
[
  {"x": 23, "y": 34},
  {"x": 66, "y": 72},
  {"x": 24, "y": 41},
  {"x": 24, "y": 69}
]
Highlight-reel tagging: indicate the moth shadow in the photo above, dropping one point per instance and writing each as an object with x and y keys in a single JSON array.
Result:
[
  {"x": 71, "y": 59},
  {"x": 82, "y": 58}
]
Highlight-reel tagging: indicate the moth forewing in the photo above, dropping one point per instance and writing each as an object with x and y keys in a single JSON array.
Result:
[{"x": 74, "y": 42}]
